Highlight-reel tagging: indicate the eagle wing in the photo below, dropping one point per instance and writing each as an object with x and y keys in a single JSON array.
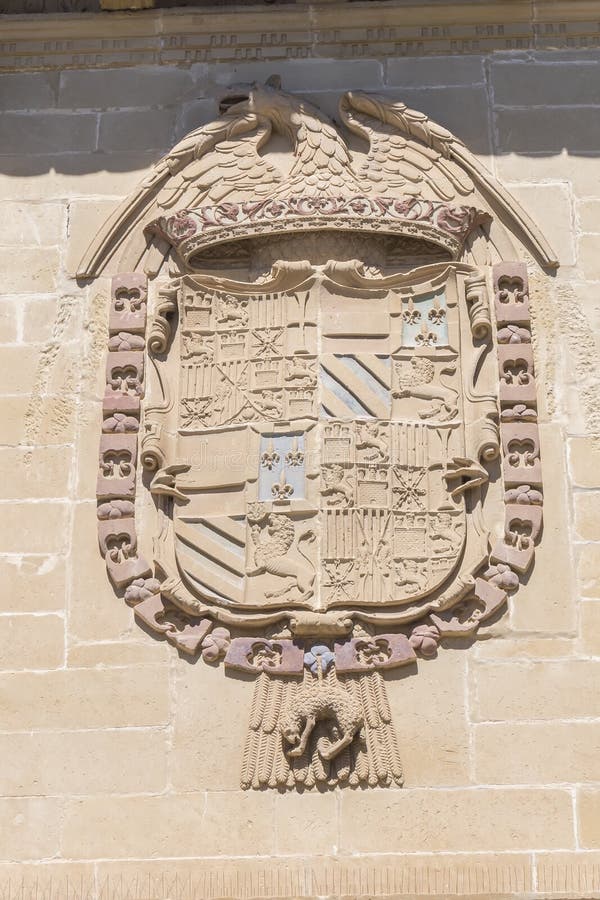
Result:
[
  {"x": 407, "y": 152},
  {"x": 211, "y": 163}
]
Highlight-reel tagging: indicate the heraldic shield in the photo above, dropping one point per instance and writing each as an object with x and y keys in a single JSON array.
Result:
[{"x": 339, "y": 433}]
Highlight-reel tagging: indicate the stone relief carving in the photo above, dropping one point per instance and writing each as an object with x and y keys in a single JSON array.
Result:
[{"x": 329, "y": 439}]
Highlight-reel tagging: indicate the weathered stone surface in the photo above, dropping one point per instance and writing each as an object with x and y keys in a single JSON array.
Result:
[
  {"x": 114, "y": 698},
  {"x": 537, "y": 753},
  {"x": 535, "y": 131},
  {"x": 589, "y": 817},
  {"x": 588, "y": 570},
  {"x": 31, "y": 224},
  {"x": 30, "y": 827},
  {"x": 8, "y": 321},
  {"x": 436, "y": 72},
  {"x": 47, "y": 133},
  {"x": 124, "y": 130},
  {"x": 35, "y": 474},
  {"x": 32, "y": 583},
  {"x": 457, "y": 820},
  {"x": 539, "y": 690},
  {"x": 35, "y": 527},
  {"x": 116, "y": 761},
  {"x": 136, "y": 86},
  {"x": 587, "y": 515},
  {"x": 175, "y": 825},
  {"x": 32, "y": 642},
  {"x": 522, "y": 84},
  {"x": 584, "y": 461},
  {"x": 28, "y": 90},
  {"x": 35, "y": 273}
]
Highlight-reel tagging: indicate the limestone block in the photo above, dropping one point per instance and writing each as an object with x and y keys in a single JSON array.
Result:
[
  {"x": 33, "y": 271},
  {"x": 32, "y": 583},
  {"x": 581, "y": 171},
  {"x": 534, "y": 130},
  {"x": 587, "y": 256},
  {"x": 215, "y": 763},
  {"x": 428, "y": 711},
  {"x": 550, "y": 205},
  {"x": 28, "y": 90},
  {"x": 32, "y": 642},
  {"x": 537, "y": 753},
  {"x": 30, "y": 827},
  {"x": 294, "y": 811},
  {"x": 42, "y": 317},
  {"x": 174, "y": 825},
  {"x": 64, "y": 175},
  {"x": 47, "y": 133},
  {"x": 121, "y": 760},
  {"x": 31, "y": 224},
  {"x": 588, "y": 216},
  {"x": 150, "y": 129},
  {"x": 588, "y": 570},
  {"x": 34, "y": 527},
  {"x": 195, "y": 114},
  {"x": 51, "y": 421},
  {"x": 544, "y": 84},
  {"x": 588, "y": 814},
  {"x": 85, "y": 218},
  {"x": 457, "y": 820},
  {"x": 135, "y": 86},
  {"x": 584, "y": 462},
  {"x": 436, "y": 71},
  {"x": 513, "y": 647},
  {"x": 590, "y": 627},
  {"x": 565, "y": 689},
  {"x": 114, "y": 698},
  {"x": 587, "y": 515},
  {"x": 118, "y": 653},
  {"x": 8, "y": 321},
  {"x": 37, "y": 473},
  {"x": 303, "y": 75}
]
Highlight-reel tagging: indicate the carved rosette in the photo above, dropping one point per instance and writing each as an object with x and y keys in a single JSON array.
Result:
[{"x": 326, "y": 442}]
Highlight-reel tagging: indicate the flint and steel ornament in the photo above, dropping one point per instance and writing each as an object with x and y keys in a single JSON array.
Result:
[{"x": 332, "y": 412}]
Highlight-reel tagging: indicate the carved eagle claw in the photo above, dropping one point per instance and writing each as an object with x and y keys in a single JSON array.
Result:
[
  {"x": 165, "y": 482},
  {"x": 470, "y": 473}
]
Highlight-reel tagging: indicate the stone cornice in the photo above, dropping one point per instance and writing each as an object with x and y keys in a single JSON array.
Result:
[{"x": 242, "y": 33}]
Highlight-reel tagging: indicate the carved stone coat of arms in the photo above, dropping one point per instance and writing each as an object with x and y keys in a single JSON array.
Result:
[{"x": 333, "y": 400}]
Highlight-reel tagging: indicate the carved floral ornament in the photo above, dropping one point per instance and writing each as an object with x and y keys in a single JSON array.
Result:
[{"x": 333, "y": 397}]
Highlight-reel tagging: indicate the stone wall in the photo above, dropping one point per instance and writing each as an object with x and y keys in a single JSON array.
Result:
[{"x": 120, "y": 761}]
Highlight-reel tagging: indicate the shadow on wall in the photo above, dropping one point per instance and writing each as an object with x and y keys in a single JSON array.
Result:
[{"x": 118, "y": 120}]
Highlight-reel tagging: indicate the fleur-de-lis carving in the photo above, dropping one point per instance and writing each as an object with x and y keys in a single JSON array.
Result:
[
  {"x": 411, "y": 315},
  {"x": 295, "y": 456},
  {"x": 437, "y": 313},
  {"x": 425, "y": 338},
  {"x": 281, "y": 490},
  {"x": 270, "y": 457}
]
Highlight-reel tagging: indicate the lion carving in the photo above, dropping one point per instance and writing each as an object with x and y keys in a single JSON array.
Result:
[
  {"x": 275, "y": 554},
  {"x": 417, "y": 380}
]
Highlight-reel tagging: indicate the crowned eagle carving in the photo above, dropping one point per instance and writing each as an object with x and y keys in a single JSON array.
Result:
[{"x": 403, "y": 153}]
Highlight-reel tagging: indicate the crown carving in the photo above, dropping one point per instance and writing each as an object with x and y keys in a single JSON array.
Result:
[{"x": 191, "y": 231}]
